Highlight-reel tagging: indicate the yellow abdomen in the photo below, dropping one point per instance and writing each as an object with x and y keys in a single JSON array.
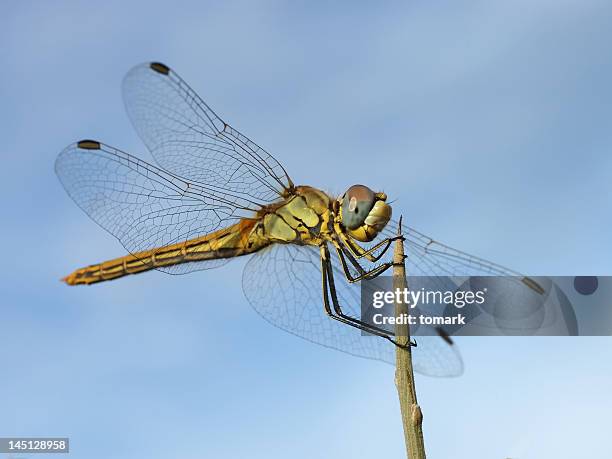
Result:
[{"x": 226, "y": 243}]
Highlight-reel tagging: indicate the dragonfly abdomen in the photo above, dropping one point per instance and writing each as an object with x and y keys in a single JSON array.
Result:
[{"x": 234, "y": 241}]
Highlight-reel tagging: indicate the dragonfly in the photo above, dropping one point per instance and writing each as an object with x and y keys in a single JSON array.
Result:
[{"x": 215, "y": 195}]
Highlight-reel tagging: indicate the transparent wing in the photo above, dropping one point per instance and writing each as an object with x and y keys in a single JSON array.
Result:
[
  {"x": 428, "y": 257},
  {"x": 142, "y": 205},
  {"x": 283, "y": 284},
  {"x": 523, "y": 298},
  {"x": 187, "y": 138}
]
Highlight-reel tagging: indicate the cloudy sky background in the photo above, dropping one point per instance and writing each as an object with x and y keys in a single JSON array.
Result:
[{"x": 488, "y": 122}]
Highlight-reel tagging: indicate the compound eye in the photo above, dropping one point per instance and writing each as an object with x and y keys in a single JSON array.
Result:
[{"x": 356, "y": 205}]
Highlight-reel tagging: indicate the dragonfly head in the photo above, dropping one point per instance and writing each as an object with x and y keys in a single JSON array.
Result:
[{"x": 363, "y": 212}]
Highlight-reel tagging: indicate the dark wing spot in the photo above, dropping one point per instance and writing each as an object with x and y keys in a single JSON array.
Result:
[
  {"x": 445, "y": 336},
  {"x": 88, "y": 144},
  {"x": 533, "y": 285},
  {"x": 160, "y": 68}
]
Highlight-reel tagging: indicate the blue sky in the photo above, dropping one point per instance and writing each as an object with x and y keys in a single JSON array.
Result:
[{"x": 489, "y": 123}]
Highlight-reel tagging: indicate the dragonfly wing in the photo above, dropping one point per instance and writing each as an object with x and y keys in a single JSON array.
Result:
[
  {"x": 428, "y": 257},
  {"x": 187, "y": 138},
  {"x": 142, "y": 205},
  {"x": 283, "y": 284},
  {"x": 515, "y": 303}
]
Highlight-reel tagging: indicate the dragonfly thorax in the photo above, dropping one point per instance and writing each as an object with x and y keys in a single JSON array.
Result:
[{"x": 304, "y": 217}]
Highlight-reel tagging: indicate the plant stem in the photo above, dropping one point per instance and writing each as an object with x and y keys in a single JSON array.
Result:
[{"x": 412, "y": 417}]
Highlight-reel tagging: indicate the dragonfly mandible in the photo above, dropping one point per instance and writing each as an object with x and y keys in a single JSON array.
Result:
[{"x": 215, "y": 195}]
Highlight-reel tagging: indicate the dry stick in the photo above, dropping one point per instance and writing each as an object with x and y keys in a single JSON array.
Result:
[{"x": 412, "y": 417}]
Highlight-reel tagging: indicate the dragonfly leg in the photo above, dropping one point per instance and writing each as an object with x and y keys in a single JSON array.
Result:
[
  {"x": 363, "y": 274},
  {"x": 411, "y": 343},
  {"x": 360, "y": 252},
  {"x": 329, "y": 290}
]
